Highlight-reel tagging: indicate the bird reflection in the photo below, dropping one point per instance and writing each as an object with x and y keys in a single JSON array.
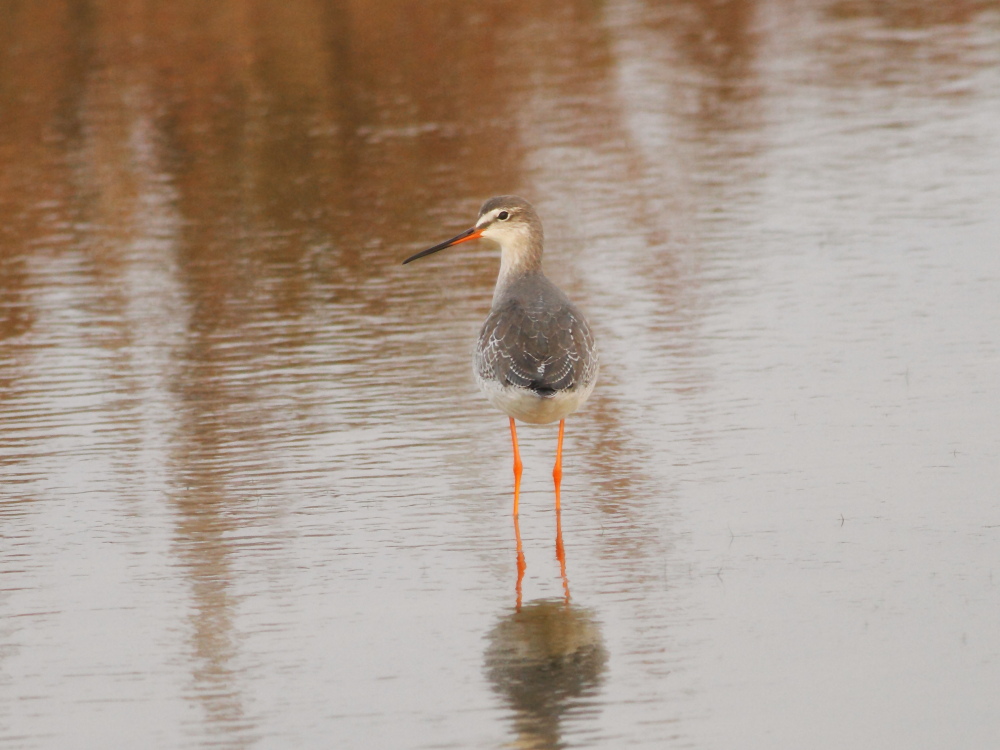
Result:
[{"x": 546, "y": 659}]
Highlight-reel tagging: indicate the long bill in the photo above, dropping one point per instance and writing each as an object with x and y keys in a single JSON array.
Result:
[{"x": 469, "y": 234}]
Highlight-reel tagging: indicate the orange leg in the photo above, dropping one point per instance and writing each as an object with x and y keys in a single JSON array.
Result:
[
  {"x": 557, "y": 471},
  {"x": 517, "y": 466},
  {"x": 521, "y": 565},
  {"x": 561, "y": 557}
]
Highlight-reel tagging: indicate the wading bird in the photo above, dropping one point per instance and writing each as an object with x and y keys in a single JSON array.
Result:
[{"x": 535, "y": 360}]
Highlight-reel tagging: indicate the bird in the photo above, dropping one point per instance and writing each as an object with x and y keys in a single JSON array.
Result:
[{"x": 535, "y": 359}]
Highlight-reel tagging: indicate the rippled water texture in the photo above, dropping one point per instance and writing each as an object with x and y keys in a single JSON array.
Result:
[{"x": 251, "y": 498}]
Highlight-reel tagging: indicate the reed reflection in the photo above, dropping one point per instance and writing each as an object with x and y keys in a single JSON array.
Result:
[{"x": 546, "y": 659}]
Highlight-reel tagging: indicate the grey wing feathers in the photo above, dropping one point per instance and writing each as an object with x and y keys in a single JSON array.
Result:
[{"x": 546, "y": 349}]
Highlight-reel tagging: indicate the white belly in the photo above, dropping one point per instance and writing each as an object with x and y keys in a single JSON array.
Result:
[{"x": 527, "y": 406}]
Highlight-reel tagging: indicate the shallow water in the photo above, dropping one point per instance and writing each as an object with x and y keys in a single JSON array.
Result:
[{"x": 250, "y": 496}]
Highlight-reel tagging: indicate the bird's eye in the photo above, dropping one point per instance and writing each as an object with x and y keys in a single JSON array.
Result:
[{"x": 503, "y": 216}]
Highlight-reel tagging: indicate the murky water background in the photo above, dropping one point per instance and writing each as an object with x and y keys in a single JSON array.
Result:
[{"x": 250, "y": 496}]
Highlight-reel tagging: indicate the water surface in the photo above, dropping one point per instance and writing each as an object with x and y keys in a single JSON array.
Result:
[{"x": 250, "y": 496}]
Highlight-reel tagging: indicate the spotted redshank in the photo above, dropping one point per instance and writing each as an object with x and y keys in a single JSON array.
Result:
[{"x": 535, "y": 360}]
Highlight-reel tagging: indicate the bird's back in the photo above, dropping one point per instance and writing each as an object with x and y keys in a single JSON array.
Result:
[{"x": 536, "y": 346}]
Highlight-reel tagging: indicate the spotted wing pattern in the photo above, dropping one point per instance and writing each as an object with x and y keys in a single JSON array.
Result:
[{"x": 539, "y": 342}]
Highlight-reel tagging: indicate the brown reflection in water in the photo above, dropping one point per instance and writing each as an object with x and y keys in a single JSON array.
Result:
[
  {"x": 906, "y": 45},
  {"x": 910, "y": 14},
  {"x": 331, "y": 120},
  {"x": 40, "y": 68},
  {"x": 713, "y": 49},
  {"x": 546, "y": 659}
]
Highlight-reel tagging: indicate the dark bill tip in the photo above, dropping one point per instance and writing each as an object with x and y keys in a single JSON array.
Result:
[{"x": 469, "y": 234}]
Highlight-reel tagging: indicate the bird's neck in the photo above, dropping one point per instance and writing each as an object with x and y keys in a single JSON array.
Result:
[{"x": 516, "y": 263}]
